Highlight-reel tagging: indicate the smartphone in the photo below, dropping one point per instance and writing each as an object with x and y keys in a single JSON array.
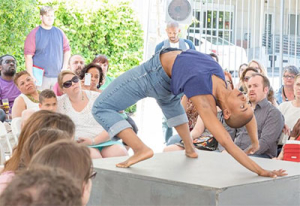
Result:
[{"x": 87, "y": 79}]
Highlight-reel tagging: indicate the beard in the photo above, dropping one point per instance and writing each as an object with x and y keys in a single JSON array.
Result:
[
  {"x": 78, "y": 71},
  {"x": 11, "y": 71}
]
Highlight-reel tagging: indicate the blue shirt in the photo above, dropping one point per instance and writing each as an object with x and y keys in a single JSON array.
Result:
[{"x": 192, "y": 73}]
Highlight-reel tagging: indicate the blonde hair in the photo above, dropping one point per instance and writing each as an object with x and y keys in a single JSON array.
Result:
[{"x": 61, "y": 76}]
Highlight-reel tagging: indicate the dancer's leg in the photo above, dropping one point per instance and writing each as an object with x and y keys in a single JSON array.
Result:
[
  {"x": 141, "y": 151},
  {"x": 184, "y": 133}
]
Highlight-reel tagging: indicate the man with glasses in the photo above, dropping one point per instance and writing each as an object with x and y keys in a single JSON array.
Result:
[
  {"x": 8, "y": 89},
  {"x": 286, "y": 92},
  {"x": 47, "y": 48}
]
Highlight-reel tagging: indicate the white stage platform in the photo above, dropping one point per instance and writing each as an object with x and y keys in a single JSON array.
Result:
[{"x": 212, "y": 179}]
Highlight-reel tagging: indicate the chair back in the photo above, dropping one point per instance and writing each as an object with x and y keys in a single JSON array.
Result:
[{"x": 16, "y": 128}]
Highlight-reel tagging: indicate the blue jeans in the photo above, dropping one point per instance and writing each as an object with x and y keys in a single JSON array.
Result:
[{"x": 147, "y": 80}]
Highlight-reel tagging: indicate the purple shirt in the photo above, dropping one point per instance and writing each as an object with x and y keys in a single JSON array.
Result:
[{"x": 8, "y": 90}]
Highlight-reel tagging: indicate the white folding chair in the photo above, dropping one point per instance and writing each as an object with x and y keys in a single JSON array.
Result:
[
  {"x": 3, "y": 133},
  {"x": 16, "y": 128}
]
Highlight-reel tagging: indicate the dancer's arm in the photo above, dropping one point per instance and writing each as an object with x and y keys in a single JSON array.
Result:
[{"x": 205, "y": 106}]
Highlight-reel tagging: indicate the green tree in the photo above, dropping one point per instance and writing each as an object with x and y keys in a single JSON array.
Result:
[
  {"x": 92, "y": 27},
  {"x": 16, "y": 20}
]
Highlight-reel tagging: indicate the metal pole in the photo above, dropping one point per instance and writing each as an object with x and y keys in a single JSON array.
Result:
[{"x": 281, "y": 39}]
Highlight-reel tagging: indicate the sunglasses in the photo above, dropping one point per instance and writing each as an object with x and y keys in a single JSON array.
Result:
[
  {"x": 68, "y": 83},
  {"x": 93, "y": 175}
]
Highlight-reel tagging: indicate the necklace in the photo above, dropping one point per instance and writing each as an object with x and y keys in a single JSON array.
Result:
[{"x": 33, "y": 99}]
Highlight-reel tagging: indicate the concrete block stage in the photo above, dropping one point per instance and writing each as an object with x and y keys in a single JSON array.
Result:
[{"x": 212, "y": 179}]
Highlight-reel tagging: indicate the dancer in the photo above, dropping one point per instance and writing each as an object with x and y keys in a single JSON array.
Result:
[{"x": 167, "y": 74}]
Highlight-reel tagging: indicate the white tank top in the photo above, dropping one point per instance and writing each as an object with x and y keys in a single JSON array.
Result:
[{"x": 29, "y": 104}]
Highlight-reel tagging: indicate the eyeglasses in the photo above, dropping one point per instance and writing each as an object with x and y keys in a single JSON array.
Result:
[
  {"x": 246, "y": 79},
  {"x": 93, "y": 175},
  {"x": 289, "y": 77},
  {"x": 68, "y": 83}
]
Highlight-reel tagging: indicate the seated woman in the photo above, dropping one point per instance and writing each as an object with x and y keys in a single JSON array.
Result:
[
  {"x": 72, "y": 158},
  {"x": 286, "y": 92},
  {"x": 96, "y": 74},
  {"x": 290, "y": 111},
  {"x": 77, "y": 104},
  {"x": 199, "y": 132},
  {"x": 29, "y": 97},
  {"x": 295, "y": 135},
  {"x": 240, "y": 72},
  {"x": 38, "y": 121}
]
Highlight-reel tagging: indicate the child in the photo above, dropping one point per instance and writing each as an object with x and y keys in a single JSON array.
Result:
[
  {"x": 164, "y": 77},
  {"x": 48, "y": 100}
]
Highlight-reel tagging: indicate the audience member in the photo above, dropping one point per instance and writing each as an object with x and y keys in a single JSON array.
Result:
[
  {"x": 8, "y": 90},
  {"x": 48, "y": 100},
  {"x": 242, "y": 68},
  {"x": 71, "y": 157},
  {"x": 254, "y": 63},
  {"x": 47, "y": 47},
  {"x": 104, "y": 64},
  {"x": 76, "y": 64},
  {"x": 42, "y": 186},
  {"x": 173, "y": 41},
  {"x": 31, "y": 144},
  {"x": 286, "y": 92},
  {"x": 40, "y": 139},
  {"x": 290, "y": 111},
  {"x": 77, "y": 104},
  {"x": 247, "y": 73},
  {"x": 164, "y": 77},
  {"x": 214, "y": 56},
  {"x": 40, "y": 119},
  {"x": 96, "y": 74},
  {"x": 269, "y": 119},
  {"x": 29, "y": 97},
  {"x": 295, "y": 135}
]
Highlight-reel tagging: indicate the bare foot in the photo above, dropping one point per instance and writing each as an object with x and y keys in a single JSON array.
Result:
[
  {"x": 191, "y": 153},
  {"x": 138, "y": 156}
]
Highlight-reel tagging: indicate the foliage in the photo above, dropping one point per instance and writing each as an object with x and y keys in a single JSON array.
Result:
[
  {"x": 17, "y": 18},
  {"x": 92, "y": 27}
]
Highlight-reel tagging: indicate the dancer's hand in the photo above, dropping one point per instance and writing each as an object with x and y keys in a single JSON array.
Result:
[
  {"x": 252, "y": 148},
  {"x": 273, "y": 174}
]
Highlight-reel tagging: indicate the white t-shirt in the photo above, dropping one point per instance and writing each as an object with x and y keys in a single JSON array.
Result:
[
  {"x": 290, "y": 112},
  {"x": 291, "y": 115},
  {"x": 176, "y": 45},
  {"x": 85, "y": 124}
]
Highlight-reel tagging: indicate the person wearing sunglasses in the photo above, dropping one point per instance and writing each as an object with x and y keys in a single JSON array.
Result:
[
  {"x": 77, "y": 104},
  {"x": 286, "y": 91},
  {"x": 72, "y": 158}
]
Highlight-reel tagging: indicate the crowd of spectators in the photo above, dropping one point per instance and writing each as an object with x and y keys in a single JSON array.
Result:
[{"x": 60, "y": 136}]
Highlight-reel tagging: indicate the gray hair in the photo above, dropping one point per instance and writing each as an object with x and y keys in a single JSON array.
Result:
[{"x": 291, "y": 69}]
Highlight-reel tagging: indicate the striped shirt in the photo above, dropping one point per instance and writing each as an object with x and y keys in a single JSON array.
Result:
[{"x": 270, "y": 123}]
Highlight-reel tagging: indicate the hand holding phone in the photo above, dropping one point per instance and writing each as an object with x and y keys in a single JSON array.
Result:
[{"x": 87, "y": 79}]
